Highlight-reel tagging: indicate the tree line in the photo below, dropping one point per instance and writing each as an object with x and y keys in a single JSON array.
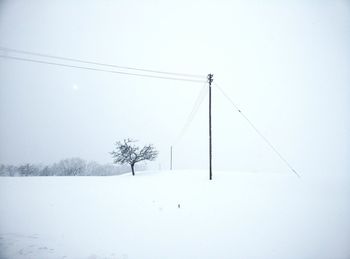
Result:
[{"x": 66, "y": 167}]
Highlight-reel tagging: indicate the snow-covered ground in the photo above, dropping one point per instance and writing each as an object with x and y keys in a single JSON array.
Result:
[{"x": 178, "y": 214}]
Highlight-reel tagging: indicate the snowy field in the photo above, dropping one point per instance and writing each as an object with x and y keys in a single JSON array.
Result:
[{"x": 179, "y": 214}]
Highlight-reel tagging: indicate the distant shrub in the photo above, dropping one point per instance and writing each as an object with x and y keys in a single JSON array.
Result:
[{"x": 65, "y": 167}]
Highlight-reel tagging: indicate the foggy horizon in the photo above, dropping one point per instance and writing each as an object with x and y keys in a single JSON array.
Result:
[{"x": 284, "y": 65}]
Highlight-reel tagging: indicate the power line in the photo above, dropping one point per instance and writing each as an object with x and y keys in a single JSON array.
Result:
[
  {"x": 100, "y": 70},
  {"x": 258, "y": 131},
  {"x": 99, "y": 63},
  {"x": 200, "y": 98}
]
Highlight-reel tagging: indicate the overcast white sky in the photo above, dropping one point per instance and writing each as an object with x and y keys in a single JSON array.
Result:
[{"x": 285, "y": 63}]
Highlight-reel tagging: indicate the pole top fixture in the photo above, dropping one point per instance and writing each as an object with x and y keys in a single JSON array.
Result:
[{"x": 210, "y": 78}]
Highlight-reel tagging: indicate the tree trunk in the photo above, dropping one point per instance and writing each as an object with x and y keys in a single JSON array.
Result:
[{"x": 132, "y": 169}]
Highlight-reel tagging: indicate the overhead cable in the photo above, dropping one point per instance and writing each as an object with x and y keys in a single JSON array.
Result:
[
  {"x": 98, "y": 63},
  {"x": 257, "y": 131},
  {"x": 99, "y": 69},
  {"x": 199, "y": 100}
]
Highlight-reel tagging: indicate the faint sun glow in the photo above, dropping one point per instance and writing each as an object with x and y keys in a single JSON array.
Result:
[{"x": 75, "y": 87}]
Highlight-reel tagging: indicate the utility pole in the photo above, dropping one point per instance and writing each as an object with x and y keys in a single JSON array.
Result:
[
  {"x": 171, "y": 157},
  {"x": 210, "y": 80}
]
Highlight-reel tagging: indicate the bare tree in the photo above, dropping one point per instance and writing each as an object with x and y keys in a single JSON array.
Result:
[
  {"x": 71, "y": 166},
  {"x": 127, "y": 153},
  {"x": 28, "y": 170}
]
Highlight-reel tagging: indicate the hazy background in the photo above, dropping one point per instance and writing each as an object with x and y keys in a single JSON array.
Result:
[{"x": 285, "y": 63}]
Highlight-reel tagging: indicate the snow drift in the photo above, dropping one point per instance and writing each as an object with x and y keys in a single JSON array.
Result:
[{"x": 177, "y": 214}]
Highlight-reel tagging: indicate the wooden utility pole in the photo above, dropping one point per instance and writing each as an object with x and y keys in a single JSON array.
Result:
[
  {"x": 210, "y": 80},
  {"x": 171, "y": 157}
]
